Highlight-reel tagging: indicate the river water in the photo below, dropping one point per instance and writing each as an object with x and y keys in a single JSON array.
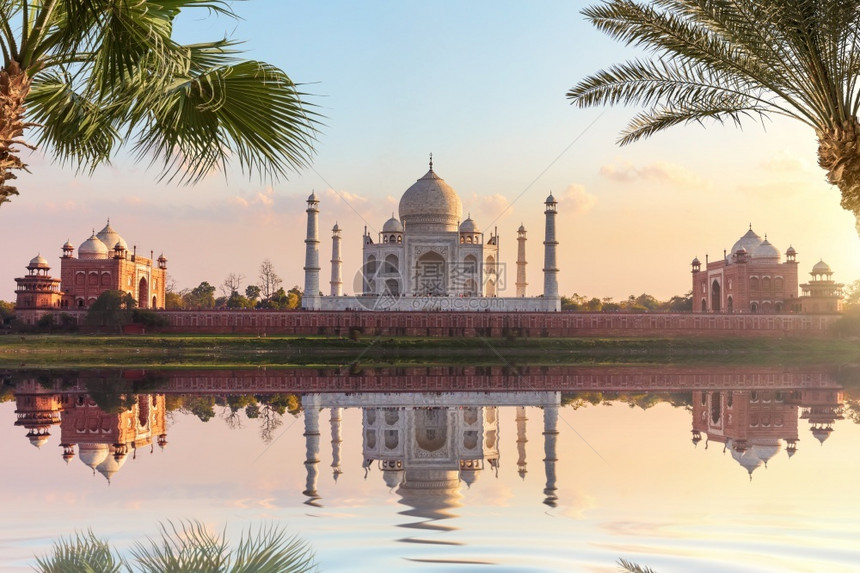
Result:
[{"x": 678, "y": 469}]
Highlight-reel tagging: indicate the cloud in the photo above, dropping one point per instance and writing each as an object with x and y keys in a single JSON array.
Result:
[
  {"x": 659, "y": 171},
  {"x": 577, "y": 200},
  {"x": 783, "y": 162}
]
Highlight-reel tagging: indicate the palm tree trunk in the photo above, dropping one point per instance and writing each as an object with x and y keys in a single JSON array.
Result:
[
  {"x": 839, "y": 155},
  {"x": 14, "y": 87}
]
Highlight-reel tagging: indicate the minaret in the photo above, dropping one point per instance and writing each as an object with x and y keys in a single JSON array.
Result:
[
  {"x": 336, "y": 441},
  {"x": 310, "y": 404},
  {"x": 550, "y": 435},
  {"x": 550, "y": 268},
  {"x": 521, "y": 262},
  {"x": 521, "y": 441},
  {"x": 336, "y": 263},
  {"x": 310, "y": 298}
]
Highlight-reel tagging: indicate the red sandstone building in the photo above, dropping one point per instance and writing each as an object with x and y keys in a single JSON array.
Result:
[
  {"x": 104, "y": 262},
  {"x": 751, "y": 278}
]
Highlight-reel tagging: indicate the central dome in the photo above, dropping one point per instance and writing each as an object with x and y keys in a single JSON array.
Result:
[{"x": 430, "y": 206}]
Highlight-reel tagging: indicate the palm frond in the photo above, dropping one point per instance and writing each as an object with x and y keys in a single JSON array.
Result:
[
  {"x": 799, "y": 57},
  {"x": 192, "y": 547},
  {"x": 75, "y": 129},
  {"x": 189, "y": 547},
  {"x": 719, "y": 109},
  {"x": 271, "y": 550},
  {"x": 248, "y": 110},
  {"x": 631, "y": 567},
  {"x": 84, "y": 553}
]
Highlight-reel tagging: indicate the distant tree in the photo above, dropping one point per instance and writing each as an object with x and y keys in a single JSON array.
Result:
[
  {"x": 111, "y": 308},
  {"x": 294, "y": 297},
  {"x": 269, "y": 279},
  {"x": 7, "y": 311},
  {"x": 236, "y": 300},
  {"x": 681, "y": 303},
  {"x": 252, "y": 292},
  {"x": 851, "y": 295},
  {"x": 233, "y": 283},
  {"x": 201, "y": 296},
  {"x": 173, "y": 300}
]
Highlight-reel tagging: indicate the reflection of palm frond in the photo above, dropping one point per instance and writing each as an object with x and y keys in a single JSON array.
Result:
[
  {"x": 190, "y": 546},
  {"x": 631, "y": 567}
]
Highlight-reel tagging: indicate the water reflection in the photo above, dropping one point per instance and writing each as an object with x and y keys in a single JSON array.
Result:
[
  {"x": 754, "y": 424},
  {"x": 441, "y": 457},
  {"x": 423, "y": 445},
  {"x": 103, "y": 439}
]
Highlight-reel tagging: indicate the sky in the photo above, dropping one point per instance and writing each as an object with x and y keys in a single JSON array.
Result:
[{"x": 480, "y": 85}]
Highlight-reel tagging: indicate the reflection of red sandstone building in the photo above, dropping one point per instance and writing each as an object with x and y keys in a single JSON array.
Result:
[
  {"x": 754, "y": 424},
  {"x": 104, "y": 440},
  {"x": 104, "y": 262}
]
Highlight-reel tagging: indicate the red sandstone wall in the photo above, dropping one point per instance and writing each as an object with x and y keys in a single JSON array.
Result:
[
  {"x": 521, "y": 324},
  {"x": 526, "y": 324}
]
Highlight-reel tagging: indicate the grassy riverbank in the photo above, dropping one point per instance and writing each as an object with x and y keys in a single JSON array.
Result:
[{"x": 171, "y": 351}]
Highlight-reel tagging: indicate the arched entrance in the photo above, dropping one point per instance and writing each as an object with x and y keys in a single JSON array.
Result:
[
  {"x": 490, "y": 275},
  {"x": 730, "y": 304},
  {"x": 716, "y": 296},
  {"x": 143, "y": 293},
  {"x": 430, "y": 275}
]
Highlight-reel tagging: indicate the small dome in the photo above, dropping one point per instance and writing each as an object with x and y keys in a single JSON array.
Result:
[
  {"x": 38, "y": 262},
  {"x": 68, "y": 246},
  {"x": 111, "y": 464},
  {"x": 430, "y": 205},
  {"x": 742, "y": 251},
  {"x": 335, "y": 229},
  {"x": 790, "y": 251},
  {"x": 522, "y": 229},
  {"x": 119, "y": 246},
  {"x": 39, "y": 439},
  {"x": 766, "y": 252},
  {"x": 93, "y": 454},
  {"x": 93, "y": 248},
  {"x": 550, "y": 199},
  {"x": 469, "y": 226},
  {"x": 392, "y": 226},
  {"x": 110, "y": 237},
  {"x": 312, "y": 198},
  {"x": 820, "y": 268},
  {"x": 469, "y": 476},
  {"x": 821, "y": 434},
  {"x": 749, "y": 241},
  {"x": 392, "y": 478},
  {"x": 695, "y": 261}
]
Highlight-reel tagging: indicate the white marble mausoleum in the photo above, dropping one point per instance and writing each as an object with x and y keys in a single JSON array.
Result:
[{"x": 430, "y": 258}]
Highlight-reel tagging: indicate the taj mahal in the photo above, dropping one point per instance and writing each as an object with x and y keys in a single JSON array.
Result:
[{"x": 430, "y": 258}]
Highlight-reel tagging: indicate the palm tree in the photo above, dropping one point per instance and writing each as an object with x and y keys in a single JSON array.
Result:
[
  {"x": 734, "y": 60},
  {"x": 87, "y": 76}
]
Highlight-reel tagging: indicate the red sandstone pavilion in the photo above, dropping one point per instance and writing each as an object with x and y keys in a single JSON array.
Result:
[{"x": 103, "y": 263}]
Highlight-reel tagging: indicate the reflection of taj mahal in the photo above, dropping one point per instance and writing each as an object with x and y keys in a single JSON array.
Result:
[
  {"x": 429, "y": 446},
  {"x": 429, "y": 259}
]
